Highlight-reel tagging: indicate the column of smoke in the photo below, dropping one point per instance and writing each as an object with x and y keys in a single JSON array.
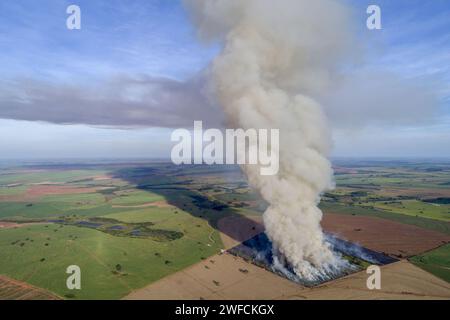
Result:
[{"x": 276, "y": 56}]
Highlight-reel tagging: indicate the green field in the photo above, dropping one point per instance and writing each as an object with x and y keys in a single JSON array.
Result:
[
  {"x": 153, "y": 214},
  {"x": 437, "y": 262},
  {"x": 135, "y": 197},
  {"x": 119, "y": 244},
  {"x": 414, "y": 208},
  {"x": 37, "y": 176},
  {"x": 50, "y": 249}
]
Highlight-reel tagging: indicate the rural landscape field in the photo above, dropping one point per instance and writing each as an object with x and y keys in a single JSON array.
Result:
[
  {"x": 249, "y": 153},
  {"x": 153, "y": 230}
]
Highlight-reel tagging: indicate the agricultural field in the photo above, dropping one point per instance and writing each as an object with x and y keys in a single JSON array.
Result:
[
  {"x": 404, "y": 191},
  {"x": 11, "y": 289},
  {"x": 436, "y": 262},
  {"x": 411, "y": 193},
  {"x": 121, "y": 234},
  {"x": 131, "y": 225}
]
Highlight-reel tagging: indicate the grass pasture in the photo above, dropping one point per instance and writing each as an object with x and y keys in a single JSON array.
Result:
[
  {"x": 436, "y": 262},
  {"x": 112, "y": 263},
  {"x": 414, "y": 208},
  {"x": 135, "y": 198},
  {"x": 43, "y": 258},
  {"x": 42, "y": 175}
]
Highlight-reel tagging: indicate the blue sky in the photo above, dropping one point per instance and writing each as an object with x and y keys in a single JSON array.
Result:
[
  {"x": 129, "y": 44},
  {"x": 149, "y": 37}
]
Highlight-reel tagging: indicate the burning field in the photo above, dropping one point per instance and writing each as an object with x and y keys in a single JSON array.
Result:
[
  {"x": 250, "y": 264},
  {"x": 228, "y": 277},
  {"x": 258, "y": 250}
]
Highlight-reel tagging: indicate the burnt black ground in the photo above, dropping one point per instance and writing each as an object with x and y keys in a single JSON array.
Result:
[{"x": 258, "y": 250}]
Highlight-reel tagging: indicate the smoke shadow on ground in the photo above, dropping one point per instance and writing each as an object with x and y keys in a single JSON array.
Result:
[{"x": 177, "y": 185}]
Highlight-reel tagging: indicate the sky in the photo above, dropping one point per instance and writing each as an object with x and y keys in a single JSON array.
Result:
[{"x": 136, "y": 70}]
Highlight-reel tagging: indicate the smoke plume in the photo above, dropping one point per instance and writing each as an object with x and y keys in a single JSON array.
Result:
[{"x": 276, "y": 56}]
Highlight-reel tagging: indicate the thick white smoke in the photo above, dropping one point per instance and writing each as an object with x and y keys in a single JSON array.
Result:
[{"x": 276, "y": 56}]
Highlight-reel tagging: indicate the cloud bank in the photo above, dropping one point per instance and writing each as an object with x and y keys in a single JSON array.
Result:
[
  {"x": 125, "y": 101},
  {"x": 357, "y": 100}
]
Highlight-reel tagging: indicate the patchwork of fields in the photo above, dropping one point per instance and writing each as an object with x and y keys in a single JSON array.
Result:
[
  {"x": 407, "y": 192},
  {"x": 129, "y": 225},
  {"x": 121, "y": 237}
]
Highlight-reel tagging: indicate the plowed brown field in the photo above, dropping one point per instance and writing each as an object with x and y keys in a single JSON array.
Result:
[
  {"x": 393, "y": 238},
  {"x": 11, "y": 289}
]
